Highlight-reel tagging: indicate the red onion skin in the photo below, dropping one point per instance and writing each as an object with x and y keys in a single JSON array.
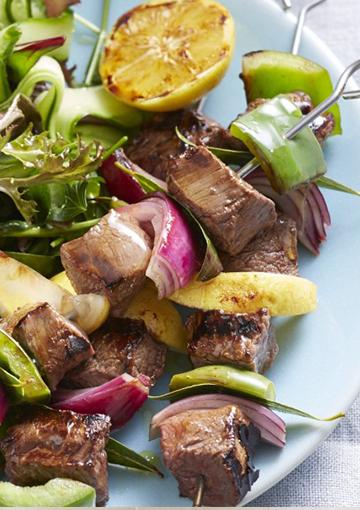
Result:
[
  {"x": 272, "y": 428},
  {"x": 119, "y": 183},
  {"x": 175, "y": 259},
  {"x": 42, "y": 44},
  {"x": 119, "y": 398},
  {"x": 4, "y": 404},
  {"x": 306, "y": 205}
]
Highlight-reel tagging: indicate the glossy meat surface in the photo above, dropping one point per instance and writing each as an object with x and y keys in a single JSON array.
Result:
[
  {"x": 157, "y": 142},
  {"x": 273, "y": 250},
  {"x": 232, "y": 211},
  {"x": 215, "y": 444},
  {"x": 121, "y": 345},
  {"x": 110, "y": 259},
  {"x": 57, "y": 344},
  {"x": 48, "y": 444},
  {"x": 246, "y": 340}
]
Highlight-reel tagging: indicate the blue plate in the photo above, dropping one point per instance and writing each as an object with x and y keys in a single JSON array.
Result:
[{"x": 318, "y": 365}]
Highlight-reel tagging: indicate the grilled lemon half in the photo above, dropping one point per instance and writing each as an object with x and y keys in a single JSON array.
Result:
[{"x": 165, "y": 54}]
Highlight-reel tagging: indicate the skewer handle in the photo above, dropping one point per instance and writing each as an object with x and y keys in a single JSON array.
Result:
[{"x": 300, "y": 25}]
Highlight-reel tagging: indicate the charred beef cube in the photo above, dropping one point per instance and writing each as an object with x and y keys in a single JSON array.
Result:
[
  {"x": 48, "y": 444},
  {"x": 157, "y": 142},
  {"x": 232, "y": 211},
  {"x": 215, "y": 444},
  {"x": 246, "y": 340},
  {"x": 110, "y": 259},
  {"x": 273, "y": 250},
  {"x": 57, "y": 344},
  {"x": 121, "y": 345},
  {"x": 322, "y": 126}
]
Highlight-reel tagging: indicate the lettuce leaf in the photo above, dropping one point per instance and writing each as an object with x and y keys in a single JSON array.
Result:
[{"x": 37, "y": 159}]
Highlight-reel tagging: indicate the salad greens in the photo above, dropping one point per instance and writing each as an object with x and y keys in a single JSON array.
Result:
[
  {"x": 50, "y": 187},
  {"x": 35, "y": 159}
]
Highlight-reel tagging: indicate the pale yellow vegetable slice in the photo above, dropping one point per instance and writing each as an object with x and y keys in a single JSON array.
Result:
[
  {"x": 64, "y": 282},
  {"x": 160, "y": 316},
  {"x": 247, "y": 292},
  {"x": 20, "y": 285},
  {"x": 162, "y": 55}
]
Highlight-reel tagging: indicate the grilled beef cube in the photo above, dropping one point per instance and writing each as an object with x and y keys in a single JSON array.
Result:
[
  {"x": 232, "y": 211},
  {"x": 322, "y": 126},
  {"x": 47, "y": 444},
  {"x": 121, "y": 345},
  {"x": 110, "y": 259},
  {"x": 57, "y": 344},
  {"x": 273, "y": 250},
  {"x": 215, "y": 444},
  {"x": 246, "y": 340},
  {"x": 157, "y": 142}
]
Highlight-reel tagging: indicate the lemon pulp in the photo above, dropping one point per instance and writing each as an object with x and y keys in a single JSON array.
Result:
[{"x": 164, "y": 55}]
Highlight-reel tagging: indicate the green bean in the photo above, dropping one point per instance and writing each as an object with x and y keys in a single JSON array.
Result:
[{"x": 230, "y": 378}]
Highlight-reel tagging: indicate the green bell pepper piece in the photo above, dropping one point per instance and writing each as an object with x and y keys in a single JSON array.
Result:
[
  {"x": 58, "y": 492},
  {"x": 230, "y": 378},
  {"x": 287, "y": 163},
  {"x": 19, "y": 374},
  {"x": 269, "y": 73}
]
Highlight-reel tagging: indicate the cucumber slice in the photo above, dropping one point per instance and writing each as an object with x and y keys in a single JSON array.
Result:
[
  {"x": 18, "y": 10},
  {"x": 59, "y": 492},
  {"x": 107, "y": 136},
  {"x": 95, "y": 102},
  {"x": 4, "y": 20},
  {"x": 269, "y": 73},
  {"x": 45, "y": 28}
]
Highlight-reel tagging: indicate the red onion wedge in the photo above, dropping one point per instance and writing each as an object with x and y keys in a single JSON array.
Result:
[
  {"x": 119, "y": 398},
  {"x": 42, "y": 44},
  {"x": 119, "y": 183},
  {"x": 122, "y": 184},
  {"x": 4, "y": 404},
  {"x": 175, "y": 258},
  {"x": 306, "y": 205},
  {"x": 271, "y": 427}
]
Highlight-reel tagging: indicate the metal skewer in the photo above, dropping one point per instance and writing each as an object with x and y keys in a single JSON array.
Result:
[
  {"x": 287, "y": 4},
  {"x": 301, "y": 23},
  {"x": 200, "y": 107},
  {"x": 310, "y": 117},
  {"x": 353, "y": 94},
  {"x": 199, "y": 492}
]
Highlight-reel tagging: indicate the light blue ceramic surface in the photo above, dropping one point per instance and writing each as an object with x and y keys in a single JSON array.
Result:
[{"x": 318, "y": 368}]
